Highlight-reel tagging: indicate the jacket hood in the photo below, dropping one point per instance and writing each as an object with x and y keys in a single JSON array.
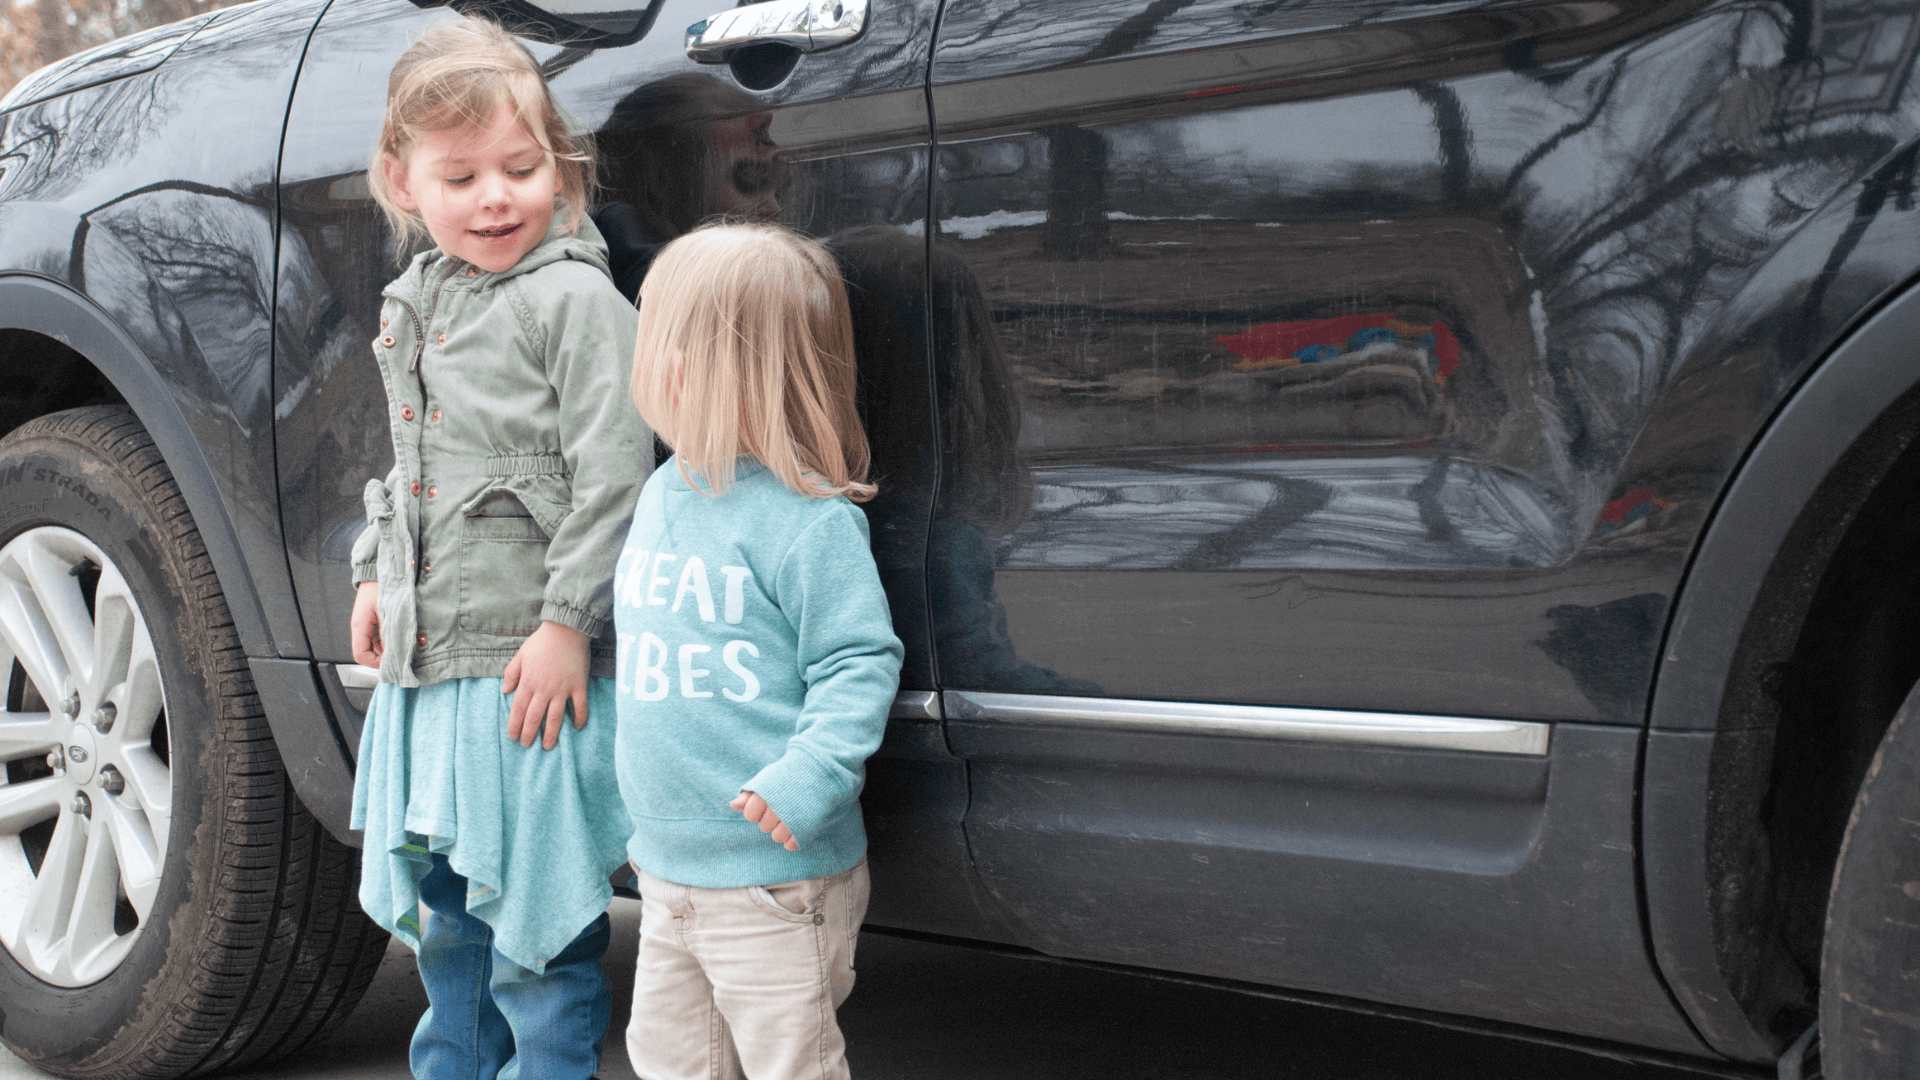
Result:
[{"x": 586, "y": 245}]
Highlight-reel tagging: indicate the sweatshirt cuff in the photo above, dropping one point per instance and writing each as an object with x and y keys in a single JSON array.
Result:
[
  {"x": 801, "y": 791},
  {"x": 366, "y": 571},
  {"x": 578, "y": 618}
]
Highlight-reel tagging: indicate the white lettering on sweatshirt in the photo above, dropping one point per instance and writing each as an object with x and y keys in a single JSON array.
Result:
[
  {"x": 641, "y": 662},
  {"x": 693, "y": 579}
]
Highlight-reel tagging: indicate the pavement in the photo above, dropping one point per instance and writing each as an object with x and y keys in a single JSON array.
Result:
[{"x": 926, "y": 1011}]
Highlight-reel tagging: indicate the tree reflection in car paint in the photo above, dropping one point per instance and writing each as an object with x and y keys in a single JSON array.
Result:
[{"x": 1597, "y": 209}]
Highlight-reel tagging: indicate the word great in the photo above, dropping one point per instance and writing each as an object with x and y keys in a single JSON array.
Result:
[{"x": 644, "y": 579}]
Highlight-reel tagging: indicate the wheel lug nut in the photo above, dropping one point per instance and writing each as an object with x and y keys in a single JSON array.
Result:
[
  {"x": 111, "y": 781},
  {"x": 56, "y": 760},
  {"x": 104, "y": 716},
  {"x": 81, "y": 804},
  {"x": 71, "y": 706}
]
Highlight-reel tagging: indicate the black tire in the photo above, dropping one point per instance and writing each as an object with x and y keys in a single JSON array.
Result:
[
  {"x": 255, "y": 944},
  {"x": 1870, "y": 963}
]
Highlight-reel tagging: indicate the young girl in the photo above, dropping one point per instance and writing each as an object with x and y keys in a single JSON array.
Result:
[
  {"x": 487, "y": 565},
  {"x": 757, "y": 661}
]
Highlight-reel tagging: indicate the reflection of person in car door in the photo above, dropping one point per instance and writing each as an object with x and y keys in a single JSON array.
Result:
[
  {"x": 986, "y": 490},
  {"x": 677, "y": 152},
  {"x": 692, "y": 147}
]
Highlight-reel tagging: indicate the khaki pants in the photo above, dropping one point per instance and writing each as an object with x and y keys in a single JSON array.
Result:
[{"x": 745, "y": 981}]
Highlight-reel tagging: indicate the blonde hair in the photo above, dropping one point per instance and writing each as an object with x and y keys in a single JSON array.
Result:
[
  {"x": 746, "y": 346},
  {"x": 458, "y": 75}
]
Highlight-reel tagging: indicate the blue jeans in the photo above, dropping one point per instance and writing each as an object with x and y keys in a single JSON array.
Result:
[{"x": 489, "y": 1017}]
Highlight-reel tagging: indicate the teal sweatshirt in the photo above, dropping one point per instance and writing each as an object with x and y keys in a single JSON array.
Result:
[{"x": 756, "y": 654}]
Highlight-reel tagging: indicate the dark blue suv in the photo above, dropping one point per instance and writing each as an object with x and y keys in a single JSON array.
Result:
[{"x": 1412, "y": 503}]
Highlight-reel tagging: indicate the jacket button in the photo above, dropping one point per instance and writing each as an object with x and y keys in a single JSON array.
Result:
[
  {"x": 426, "y": 568},
  {"x": 436, "y": 416},
  {"x": 473, "y": 271},
  {"x": 433, "y": 492},
  {"x": 387, "y": 341},
  {"x": 421, "y": 640},
  {"x": 416, "y": 487},
  {"x": 443, "y": 339},
  {"x": 406, "y": 412},
  {"x": 383, "y": 323}
]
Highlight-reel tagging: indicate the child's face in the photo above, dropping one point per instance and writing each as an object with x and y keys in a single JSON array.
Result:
[{"x": 486, "y": 193}]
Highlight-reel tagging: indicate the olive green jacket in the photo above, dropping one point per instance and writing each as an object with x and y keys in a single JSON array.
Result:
[{"x": 517, "y": 458}]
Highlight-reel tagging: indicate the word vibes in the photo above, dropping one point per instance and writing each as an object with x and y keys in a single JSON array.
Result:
[{"x": 644, "y": 579}]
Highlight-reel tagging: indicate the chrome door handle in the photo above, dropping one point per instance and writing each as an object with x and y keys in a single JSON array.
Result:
[{"x": 807, "y": 25}]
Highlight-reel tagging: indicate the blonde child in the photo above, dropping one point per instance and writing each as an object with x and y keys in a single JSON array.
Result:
[
  {"x": 757, "y": 661},
  {"x": 486, "y": 567}
]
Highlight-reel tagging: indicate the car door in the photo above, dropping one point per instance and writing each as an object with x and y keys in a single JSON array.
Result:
[
  {"x": 831, "y": 142},
  {"x": 1285, "y": 604}
]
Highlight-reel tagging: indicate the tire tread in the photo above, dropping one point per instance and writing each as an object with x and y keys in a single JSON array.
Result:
[{"x": 287, "y": 953}]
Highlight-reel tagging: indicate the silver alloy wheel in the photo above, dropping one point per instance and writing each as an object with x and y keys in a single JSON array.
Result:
[{"x": 90, "y": 708}]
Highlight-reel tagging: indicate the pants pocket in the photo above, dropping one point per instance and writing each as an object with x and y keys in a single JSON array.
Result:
[{"x": 791, "y": 901}]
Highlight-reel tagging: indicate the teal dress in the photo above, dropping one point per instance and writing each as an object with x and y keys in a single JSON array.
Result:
[{"x": 537, "y": 833}]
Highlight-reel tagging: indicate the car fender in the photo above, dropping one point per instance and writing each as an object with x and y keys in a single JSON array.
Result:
[
  {"x": 308, "y": 738},
  {"x": 31, "y": 302},
  {"x": 1860, "y": 381}
]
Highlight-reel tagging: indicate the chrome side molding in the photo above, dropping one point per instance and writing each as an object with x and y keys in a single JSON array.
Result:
[
  {"x": 907, "y": 705},
  {"x": 915, "y": 705},
  {"x": 1256, "y": 721},
  {"x": 1195, "y": 718}
]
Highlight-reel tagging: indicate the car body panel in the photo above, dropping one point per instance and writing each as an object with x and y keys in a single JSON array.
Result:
[
  {"x": 134, "y": 54},
  {"x": 1595, "y": 251},
  {"x": 52, "y": 308},
  {"x": 183, "y": 262},
  {"x": 1476, "y": 884},
  {"x": 1503, "y": 545},
  {"x": 1382, "y": 357},
  {"x": 1870, "y": 375}
]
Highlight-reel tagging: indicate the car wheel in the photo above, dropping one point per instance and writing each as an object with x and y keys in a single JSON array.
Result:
[
  {"x": 167, "y": 905},
  {"x": 1870, "y": 963}
]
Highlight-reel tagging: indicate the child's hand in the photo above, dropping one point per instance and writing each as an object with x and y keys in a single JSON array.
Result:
[
  {"x": 757, "y": 811},
  {"x": 549, "y": 670},
  {"x": 364, "y": 625}
]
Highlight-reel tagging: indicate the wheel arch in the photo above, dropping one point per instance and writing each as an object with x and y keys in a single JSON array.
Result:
[
  {"x": 73, "y": 331},
  {"x": 1739, "y": 737},
  {"x": 44, "y": 307}
]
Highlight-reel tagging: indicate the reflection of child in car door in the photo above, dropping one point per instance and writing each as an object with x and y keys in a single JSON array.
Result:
[
  {"x": 487, "y": 566},
  {"x": 676, "y": 152},
  {"x": 985, "y": 487},
  {"x": 758, "y": 661}
]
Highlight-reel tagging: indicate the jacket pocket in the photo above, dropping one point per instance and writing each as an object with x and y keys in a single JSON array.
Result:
[{"x": 503, "y": 566}]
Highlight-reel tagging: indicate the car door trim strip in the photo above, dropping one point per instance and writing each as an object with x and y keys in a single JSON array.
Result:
[
  {"x": 915, "y": 705},
  {"x": 1258, "y": 721},
  {"x": 907, "y": 705}
]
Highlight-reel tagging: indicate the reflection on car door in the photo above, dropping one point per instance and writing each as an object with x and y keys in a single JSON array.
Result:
[
  {"x": 832, "y": 143},
  {"x": 1262, "y": 490}
]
